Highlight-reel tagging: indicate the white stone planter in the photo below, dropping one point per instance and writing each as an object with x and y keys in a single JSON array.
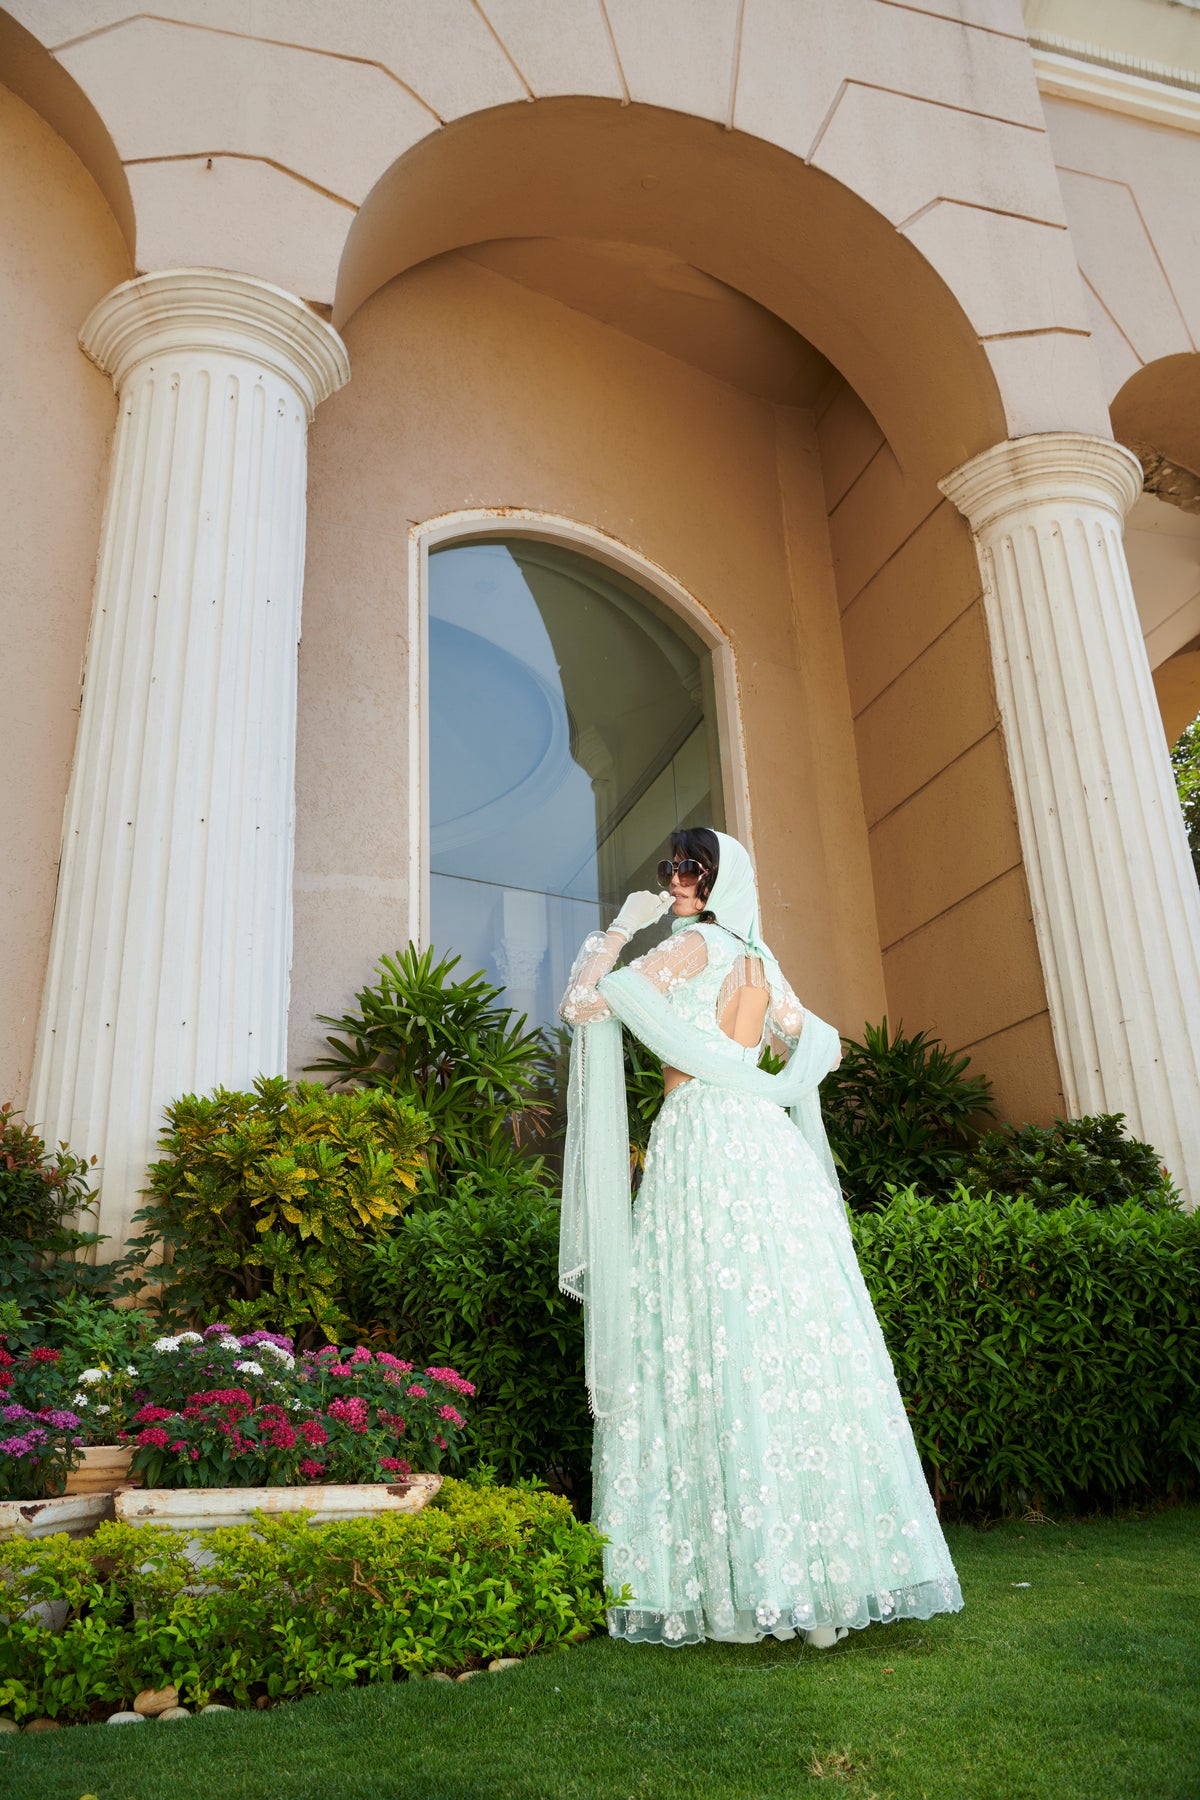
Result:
[
  {"x": 202, "y": 1509},
  {"x": 76, "y": 1514}
]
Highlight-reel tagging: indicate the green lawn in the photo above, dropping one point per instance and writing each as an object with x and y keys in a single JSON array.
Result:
[{"x": 1085, "y": 1685}]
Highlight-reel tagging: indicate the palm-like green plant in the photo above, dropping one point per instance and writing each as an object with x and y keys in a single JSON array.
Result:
[
  {"x": 451, "y": 1047},
  {"x": 900, "y": 1111}
]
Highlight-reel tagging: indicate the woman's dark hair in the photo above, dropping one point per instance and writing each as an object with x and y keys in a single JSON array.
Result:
[{"x": 704, "y": 846}]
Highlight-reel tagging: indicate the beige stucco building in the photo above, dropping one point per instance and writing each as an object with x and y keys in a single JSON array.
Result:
[{"x": 777, "y": 411}]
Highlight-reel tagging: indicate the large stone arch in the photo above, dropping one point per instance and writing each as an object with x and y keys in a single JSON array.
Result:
[
  {"x": 871, "y": 727},
  {"x": 1157, "y": 413},
  {"x": 744, "y": 211}
]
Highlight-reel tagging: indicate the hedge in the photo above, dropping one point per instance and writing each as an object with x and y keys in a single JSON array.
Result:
[
  {"x": 474, "y": 1283},
  {"x": 1045, "y": 1357},
  {"x": 287, "y": 1608}
]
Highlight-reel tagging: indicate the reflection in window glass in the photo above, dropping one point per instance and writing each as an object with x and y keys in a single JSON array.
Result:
[{"x": 571, "y": 728}]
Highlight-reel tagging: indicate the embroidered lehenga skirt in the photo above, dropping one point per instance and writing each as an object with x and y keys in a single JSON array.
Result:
[{"x": 765, "y": 1478}]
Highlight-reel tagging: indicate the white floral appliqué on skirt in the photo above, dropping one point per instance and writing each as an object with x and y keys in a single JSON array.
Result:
[{"x": 765, "y": 1478}]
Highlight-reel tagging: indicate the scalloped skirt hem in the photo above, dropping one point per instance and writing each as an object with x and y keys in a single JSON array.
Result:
[{"x": 691, "y": 1625}]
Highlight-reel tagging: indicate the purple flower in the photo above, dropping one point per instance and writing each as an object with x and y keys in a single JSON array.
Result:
[
  {"x": 13, "y": 1413},
  {"x": 61, "y": 1419},
  {"x": 15, "y": 1446}
]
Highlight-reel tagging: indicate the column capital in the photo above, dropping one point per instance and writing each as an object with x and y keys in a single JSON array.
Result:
[
  {"x": 182, "y": 311},
  {"x": 1048, "y": 468}
]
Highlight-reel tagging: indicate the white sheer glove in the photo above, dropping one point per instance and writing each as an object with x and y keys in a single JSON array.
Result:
[{"x": 639, "y": 911}]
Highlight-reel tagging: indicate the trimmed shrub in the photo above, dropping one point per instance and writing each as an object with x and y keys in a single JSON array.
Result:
[
  {"x": 42, "y": 1192},
  {"x": 900, "y": 1111},
  {"x": 266, "y": 1204},
  {"x": 474, "y": 1283},
  {"x": 287, "y": 1608},
  {"x": 1088, "y": 1159},
  {"x": 1044, "y": 1357}
]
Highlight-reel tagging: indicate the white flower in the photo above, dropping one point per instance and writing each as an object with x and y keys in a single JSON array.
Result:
[
  {"x": 766, "y": 1615},
  {"x": 780, "y": 1536},
  {"x": 229, "y": 1343},
  {"x": 692, "y": 1590},
  {"x": 719, "y": 1521},
  {"x": 129, "y": 1369},
  {"x": 750, "y": 1243},
  {"x": 751, "y": 1517},
  {"x": 839, "y": 1569},
  {"x": 78, "y": 1400},
  {"x": 741, "y": 1211},
  {"x": 248, "y": 1368},
  {"x": 684, "y": 1551},
  {"x": 165, "y": 1344},
  {"x": 840, "y": 1345},
  {"x": 93, "y": 1375},
  {"x": 792, "y": 1573},
  {"x": 189, "y": 1337},
  {"x": 673, "y": 1626},
  {"x": 901, "y": 1562},
  {"x": 816, "y": 1569},
  {"x": 811, "y": 1400},
  {"x": 910, "y": 1528},
  {"x": 625, "y": 1485},
  {"x": 727, "y": 1278},
  {"x": 285, "y": 1356},
  {"x": 103, "y": 1409},
  {"x": 885, "y": 1527}
]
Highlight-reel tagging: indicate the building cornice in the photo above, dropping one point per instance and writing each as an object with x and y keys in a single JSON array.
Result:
[{"x": 1095, "y": 76}]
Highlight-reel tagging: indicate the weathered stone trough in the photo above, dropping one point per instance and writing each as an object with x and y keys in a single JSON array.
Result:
[{"x": 203, "y": 1509}]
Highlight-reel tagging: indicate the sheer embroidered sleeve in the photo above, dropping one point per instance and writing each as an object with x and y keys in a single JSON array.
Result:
[
  {"x": 679, "y": 959},
  {"x": 786, "y": 1018},
  {"x": 581, "y": 1003}
]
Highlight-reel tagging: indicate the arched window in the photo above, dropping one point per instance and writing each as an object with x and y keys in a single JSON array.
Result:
[{"x": 572, "y": 725}]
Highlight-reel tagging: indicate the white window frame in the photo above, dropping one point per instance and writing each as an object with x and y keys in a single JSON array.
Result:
[{"x": 488, "y": 522}]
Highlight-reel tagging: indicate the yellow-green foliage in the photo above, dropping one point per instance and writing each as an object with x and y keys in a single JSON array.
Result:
[
  {"x": 266, "y": 1203},
  {"x": 287, "y": 1608}
]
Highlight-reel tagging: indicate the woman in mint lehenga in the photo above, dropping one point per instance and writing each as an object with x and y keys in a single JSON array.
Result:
[{"x": 754, "y": 1470}]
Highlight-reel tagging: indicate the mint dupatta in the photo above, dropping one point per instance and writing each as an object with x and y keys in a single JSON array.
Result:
[{"x": 596, "y": 1238}]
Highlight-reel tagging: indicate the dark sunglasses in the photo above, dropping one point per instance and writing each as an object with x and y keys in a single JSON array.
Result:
[{"x": 687, "y": 868}]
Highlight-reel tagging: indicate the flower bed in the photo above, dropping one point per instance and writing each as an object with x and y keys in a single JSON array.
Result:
[
  {"x": 223, "y": 1411},
  {"x": 289, "y": 1608},
  {"x": 213, "y": 1409}
]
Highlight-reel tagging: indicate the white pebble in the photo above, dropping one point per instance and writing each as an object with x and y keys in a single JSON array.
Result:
[{"x": 127, "y": 1718}]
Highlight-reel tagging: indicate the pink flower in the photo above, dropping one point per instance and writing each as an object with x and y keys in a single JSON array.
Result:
[
  {"x": 155, "y": 1436},
  {"x": 340, "y": 1369},
  {"x": 360, "y": 1354},
  {"x": 451, "y": 1417},
  {"x": 452, "y": 1379},
  {"x": 397, "y": 1465},
  {"x": 418, "y": 1393},
  {"x": 351, "y": 1412},
  {"x": 281, "y": 1437},
  {"x": 313, "y": 1432},
  {"x": 44, "y": 1354},
  {"x": 150, "y": 1415},
  {"x": 312, "y": 1471},
  {"x": 393, "y": 1362}
]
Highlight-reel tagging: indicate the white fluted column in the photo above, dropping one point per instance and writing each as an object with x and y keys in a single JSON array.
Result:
[
  {"x": 1114, "y": 897},
  {"x": 171, "y": 949}
]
